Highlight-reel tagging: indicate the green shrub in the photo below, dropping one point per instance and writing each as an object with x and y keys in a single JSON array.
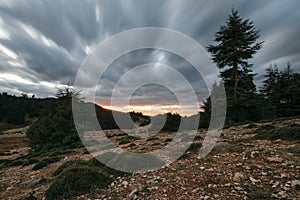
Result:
[
  {"x": 77, "y": 180},
  {"x": 65, "y": 165},
  {"x": 30, "y": 161},
  {"x": 194, "y": 146},
  {"x": 289, "y": 132},
  {"x": 59, "y": 153},
  {"x": 258, "y": 193},
  {"x": 294, "y": 150},
  {"x": 265, "y": 128},
  {"x": 16, "y": 162},
  {"x": 45, "y": 162},
  {"x": 55, "y": 130}
]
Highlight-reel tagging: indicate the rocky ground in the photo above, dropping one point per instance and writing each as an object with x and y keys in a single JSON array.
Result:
[{"x": 239, "y": 167}]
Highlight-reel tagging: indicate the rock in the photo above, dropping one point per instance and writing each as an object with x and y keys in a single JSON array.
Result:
[
  {"x": 274, "y": 159},
  {"x": 295, "y": 183},
  {"x": 195, "y": 190},
  {"x": 253, "y": 180},
  {"x": 133, "y": 192},
  {"x": 125, "y": 183},
  {"x": 238, "y": 188},
  {"x": 9, "y": 188},
  {"x": 264, "y": 173},
  {"x": 238, "y": 177},
  {"x": 275, "y": 184},
  {"x": 221, "y": 144}
]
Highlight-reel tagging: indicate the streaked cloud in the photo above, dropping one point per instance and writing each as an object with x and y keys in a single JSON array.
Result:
[{"x": 43, "y": 43}]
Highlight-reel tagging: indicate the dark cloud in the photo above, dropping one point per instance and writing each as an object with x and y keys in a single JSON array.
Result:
[{"x": 43, "y": 43}]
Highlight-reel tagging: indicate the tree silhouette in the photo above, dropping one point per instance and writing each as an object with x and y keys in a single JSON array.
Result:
[{"x": 236, "y": 44}]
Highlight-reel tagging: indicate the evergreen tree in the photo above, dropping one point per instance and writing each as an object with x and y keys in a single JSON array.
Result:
[
  {"x": 271, "y": 91},
  {"x": 281, "y": 91},
  {"x": 236, "y": 44}
]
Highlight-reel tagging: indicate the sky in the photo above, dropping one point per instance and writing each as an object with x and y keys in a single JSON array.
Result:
[{"x": 43, "y": 44}]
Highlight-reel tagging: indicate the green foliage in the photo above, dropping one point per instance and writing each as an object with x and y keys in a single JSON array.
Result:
[
  {"x": 195, "y": 146},
  {"x": 171, "y": 122},
  {"x": 17, "y": 162},
  {"x": 30, "y": 161},
  {"x": 289, "y": 132},
  {"x": 77, "y": 177},
  {"x": 77, "y": 180},
  {"x": 13, "y": 109},
  {"x": 236, "y": 44},
  {"x": 258, "y": 193},
  {"x": 281, "y": 90},
  {"x": 56, "y": 129},
  {"x": 72, "y": 163},
  {"x": 45, "y": 162}
]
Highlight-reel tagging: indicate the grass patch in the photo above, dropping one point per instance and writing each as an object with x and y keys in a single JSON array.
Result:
[
  {"x": 45, "y": 162},
  {"x": 17, "y": 162},
  {"x": 289, "y": 132},
  {"x": 77, "y": 180},
  {"x": 258, "y": 193},
  {"x": 77, "y": 177},
  {"x": 294, "y": 150},
  {"x": 30, "y": 161}
]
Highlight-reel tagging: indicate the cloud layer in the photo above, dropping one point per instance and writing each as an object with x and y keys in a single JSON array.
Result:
[{"x": 43, "y": 43}]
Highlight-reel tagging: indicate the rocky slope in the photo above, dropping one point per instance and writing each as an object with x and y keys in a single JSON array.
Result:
[{"x": 239, "y": 167}]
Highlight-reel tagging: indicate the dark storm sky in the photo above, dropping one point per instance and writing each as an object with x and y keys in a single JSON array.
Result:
[{"x": 43, "y": 42}]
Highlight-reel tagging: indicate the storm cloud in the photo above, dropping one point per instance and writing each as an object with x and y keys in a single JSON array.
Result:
[{"x": 43, "y": 43}]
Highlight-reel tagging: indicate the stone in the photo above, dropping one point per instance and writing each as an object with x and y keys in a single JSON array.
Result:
[
  {"x": 133, "y": 192},
  {"x": 125, "y": 183},
  {"x": 295, "y": 183},
  {"x": 264, "y": 173},
  {"x": 274, "y": 159},
  {"x": 253, "y": 180},
  {"x": 238, "y": 177}
]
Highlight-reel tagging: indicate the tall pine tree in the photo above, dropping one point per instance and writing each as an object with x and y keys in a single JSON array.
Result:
[{"x": 236, "y": 43}]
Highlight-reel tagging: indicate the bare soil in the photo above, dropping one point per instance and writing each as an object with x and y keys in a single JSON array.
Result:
[{"x": 239, "y": 167}]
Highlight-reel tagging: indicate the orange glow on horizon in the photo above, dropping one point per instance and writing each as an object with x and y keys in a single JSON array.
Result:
[{"x": 151, "y": 110}]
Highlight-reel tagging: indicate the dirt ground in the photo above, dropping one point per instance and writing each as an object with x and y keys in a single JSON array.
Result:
[{"x": 239, "y": 167}]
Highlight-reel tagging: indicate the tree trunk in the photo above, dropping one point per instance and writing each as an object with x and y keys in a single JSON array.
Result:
[{"x": 235, "y": 81}]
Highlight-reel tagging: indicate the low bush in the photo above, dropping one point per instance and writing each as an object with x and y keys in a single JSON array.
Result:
[
  {"x": 16, "y": 162},
  {"x": 64, "y": 166},
  {"x": 30, "y": 161},
  {"x": 289, "y": 132},
  {"x": 45, "y": 162},
  {"x": 77, "y": 177},
  {"x": 77, "y": 180}
]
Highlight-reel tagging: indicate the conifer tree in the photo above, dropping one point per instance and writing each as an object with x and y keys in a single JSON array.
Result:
[{"x": 236, "y": 44}]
